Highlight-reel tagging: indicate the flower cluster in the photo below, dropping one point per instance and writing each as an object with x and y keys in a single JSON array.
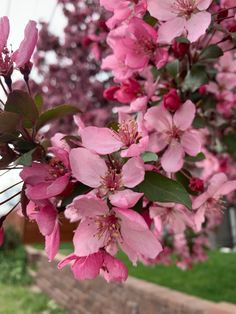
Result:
[{"x": 154, "y": 182}]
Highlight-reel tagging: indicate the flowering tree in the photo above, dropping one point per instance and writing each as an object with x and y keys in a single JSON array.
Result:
[
  {"x": 152, "y": 183},
  {"x": 77, "y": 56}
]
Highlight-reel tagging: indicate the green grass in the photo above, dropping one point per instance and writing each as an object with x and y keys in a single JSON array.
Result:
[
  {"x": 20, "y": 300},
  {"x": 214, "y": 279}
]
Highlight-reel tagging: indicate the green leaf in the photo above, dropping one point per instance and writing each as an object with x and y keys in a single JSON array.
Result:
[
  {"x": 21, "y": 103},
  {"x": 199, "y": 122},
  {"x": 211, "y": 52},
  {"x": 26, "y": 159},
  {"x": 55, "y": 113},
  {"x": 149, "y": 156},
  {"x": 8, "y": 122},
  {"x": 229, "y": 141},
  {"x": 38, "y": 99},
  {"x": 173, "y": 68},
  {"x": 197, "y": 158},
  {"x": 183, "y": 40},
  {"x": 158, "y": 188},
  {"x": 150, "y": 19},
  {"x": 195, "y": 78}
]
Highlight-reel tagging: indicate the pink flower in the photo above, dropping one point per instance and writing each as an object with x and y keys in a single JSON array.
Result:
[
  {"x": 44, "y": 181},
  {"x": 23, "y": 54},
  {"x": 131, "y": 137},
  {"x": 209, "y": 201},
  {"x": 175, "y": 133},
  {"x": 46, "y": 217},
  {"x": 105, "y": 228},
  {"x": 89, "y": 267},
  {"x": 108, "y": 178},
  {"x": 137, "y": 43},
  {"x": 52, "y": 242},
  {"x": 127, "y": 92},
  {"x": 181, "y": 17},
  {"x": 123, "y": 9},
  {"x": 4, "y": 31},
  {"x": 175, "y": 217},
  {"x": 1, "y": 236}
]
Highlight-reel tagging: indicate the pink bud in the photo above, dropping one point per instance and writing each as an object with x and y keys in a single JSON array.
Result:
[
  {"x": 110, "y": 92},
  {"x": 180, "y": 49},
  {"x": 26, "y": 49},
  {"x": 202, "y": 90},
  {"x": 4, "y": 31},
  {"x": 196, "y": 185},
  {"x": 172, "y": 101}
]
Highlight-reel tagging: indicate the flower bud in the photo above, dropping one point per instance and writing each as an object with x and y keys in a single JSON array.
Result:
[
  {"x": 202, "y": 89},
  {"x": 109, "y": 93},
  {"x": 180, "y": 49},
  {"x": 196, "y": 185},
  {"x": 172, "y": 101}
]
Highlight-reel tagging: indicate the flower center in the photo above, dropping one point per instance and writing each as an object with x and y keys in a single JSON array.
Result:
[
  {"x": 111, "y": 181},
  {"x": 184, "y": 7},
  {"x": 174, "y": 133},
  {"x": 108, "y": 226},
  {"x": 57, "y": 168},
  {"x": 146, "y": 46},
  {"x": 128, "y": 132}
]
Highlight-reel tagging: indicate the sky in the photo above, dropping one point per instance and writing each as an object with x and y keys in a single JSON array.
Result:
[{"x": 19, "y": 13}]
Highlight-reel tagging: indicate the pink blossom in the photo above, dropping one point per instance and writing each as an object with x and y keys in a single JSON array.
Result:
[
  {"x": 4, "y": 31},
  {"x": 52, "y": 241},
  {"x": 45, "y": 180},
  {"x": 137, "y": 43},
  {"x": 89, "y": 267},
  {"x": 23, "y": 54},
  {"x": 131, "y": 137},
  {"x": 181, "y": 17},
  {"x": 175, "y": 217},
  {"x": 1, "y": 236},
  {"x": 105, "y": 228},
  {"x": 108, "y": 178},
  {"x": 46, "y": 217},
  {"x": 210, "y": 200},
  {"x": 173, "y": 132},
  {"x": 123, "y": 10}
]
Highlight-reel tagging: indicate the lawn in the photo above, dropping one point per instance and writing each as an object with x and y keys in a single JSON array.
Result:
[
  {"x": 20, "y": 300},
  {"x": 213, "y": 280}
]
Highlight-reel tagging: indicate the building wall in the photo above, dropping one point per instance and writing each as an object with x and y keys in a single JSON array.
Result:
[{"x": 29, "y": 230}]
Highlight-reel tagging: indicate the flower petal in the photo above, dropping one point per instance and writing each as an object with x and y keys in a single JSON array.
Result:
[
  {"x": 171, "y": 29},
  {"x": 86, "y": 240},
  {"x": 100, "y": 140},
  {"x": 191, "y": 142},
  {"x": 197, "y": 25},
  {"x": 184, "y": 116},
  {"x": 133, "y": 172},
  {"x": 87, "y": 167},
  {"x": 125, "y": 198},
  {"x": 173, "y": 158}
]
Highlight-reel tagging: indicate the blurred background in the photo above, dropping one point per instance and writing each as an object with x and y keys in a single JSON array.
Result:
[{"x": 70, "y": 54}]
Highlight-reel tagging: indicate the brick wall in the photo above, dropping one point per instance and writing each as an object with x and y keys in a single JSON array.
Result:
[{"x": 98, "y": 297}]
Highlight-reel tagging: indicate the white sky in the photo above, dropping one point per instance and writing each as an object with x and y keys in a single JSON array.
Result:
[{"x": 21, "y": 11}]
